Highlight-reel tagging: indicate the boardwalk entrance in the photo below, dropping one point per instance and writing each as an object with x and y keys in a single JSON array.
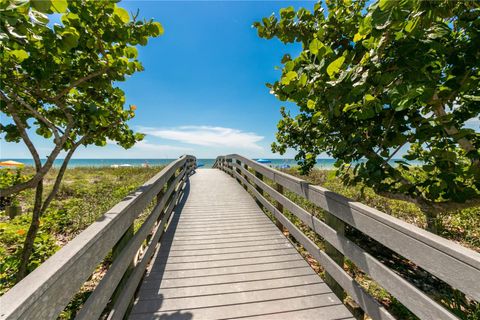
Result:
[
  {"x": 192, "y": 244},
  {"x": 222, "y": 258}
]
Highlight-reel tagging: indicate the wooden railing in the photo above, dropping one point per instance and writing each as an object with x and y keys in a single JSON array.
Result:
[
  {"x": 45, "y": 292},
  {"x": 453, "y": 264}
]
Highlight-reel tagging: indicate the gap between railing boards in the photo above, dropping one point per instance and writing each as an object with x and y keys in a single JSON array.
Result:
[
  {"x": 453, "y": 264},
  {"x": 45, "y": 292}
]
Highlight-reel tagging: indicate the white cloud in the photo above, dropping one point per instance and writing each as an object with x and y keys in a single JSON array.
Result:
[
  {"x": 145, "y": 145},
  {"x": 208, "y": 136}
]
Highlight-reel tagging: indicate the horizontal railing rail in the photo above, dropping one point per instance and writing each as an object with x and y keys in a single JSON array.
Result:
[
  {"x": 455, "y": 265},
  {"x": 45, "y": 292}
]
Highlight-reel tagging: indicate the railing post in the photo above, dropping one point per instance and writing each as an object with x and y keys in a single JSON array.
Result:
[
  {"x": 116, "y": 250},
  {"x": 245, "y": 176},
  {"x": 258, "y": 188},
  {"x": 228, "y": 166},
  {"x": 240, "y": 173},
  {"x": 336, "y": 255},
  {"x": 279, "y": 206}
]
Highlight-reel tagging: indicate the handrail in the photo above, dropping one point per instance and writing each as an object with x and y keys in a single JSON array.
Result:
[
  {"x": 45, "y": 292},
  {"x": 450, "y": 262}
]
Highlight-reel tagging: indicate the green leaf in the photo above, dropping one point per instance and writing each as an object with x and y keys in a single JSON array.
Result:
[
  {"x": 303, "y": 79},
  {"x": 315, "y": 46},
  {"x": 334, "y": 67},
  {"x": 369, "y": 97},
  {"x": 310, "y": 104},
  {"x": 70, "y": 40},
  {"x": 386, "y": 4},
  {"x": 158, "y": 29},
  {"x": 287, "y": 78},
  {"x": 131, "y": 52},
  {"x": 472, "y": 98},
  {"x": 19, "y": 55},
  {"x": 41, "y": 5},
  {"x": 122, "y": 14},
  {"x": 287, "y": 13},
  {"x": 59, "y": 6},
  {"x": 357, "y": 37},
  {"x": 411, "y": 25}
]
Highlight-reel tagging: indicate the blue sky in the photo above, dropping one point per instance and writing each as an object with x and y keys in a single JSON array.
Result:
[{"x": 203, "y": 89}]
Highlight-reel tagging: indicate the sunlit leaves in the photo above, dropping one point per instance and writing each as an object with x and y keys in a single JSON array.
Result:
[
  {"x": 93, "y": 48},
  {"x": 41, "y": 5},
  {"x": 334, "y": 67},
  {"x": 376, "y": 77},
  {"x": 158, "y": 28},
  {"x": 122, "y": 14},
  {"x": 18, "y": 55},
  {"x": 311, "y": 104},
  {"x": 315, "y": 45},
  {"x": 288, "y": 77},
  {"x": 131, "y": 52},
  {"x": 69, "y": 38},
  {"x": 59, "y": 6}
]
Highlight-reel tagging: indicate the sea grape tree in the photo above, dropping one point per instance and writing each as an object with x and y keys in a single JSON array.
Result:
[
  {"x": 382, "y": 81},
  {"x": 58, "y": 81}
]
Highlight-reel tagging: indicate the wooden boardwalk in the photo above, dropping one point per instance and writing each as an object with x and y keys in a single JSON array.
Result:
[
  {"x": 222, "y": 258},
  {"x": 207, "y": 251}
]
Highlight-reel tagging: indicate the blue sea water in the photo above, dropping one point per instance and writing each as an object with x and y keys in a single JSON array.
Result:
[{"x": 206, "y": 163}]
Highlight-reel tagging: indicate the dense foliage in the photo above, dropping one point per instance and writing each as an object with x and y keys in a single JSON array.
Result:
[
  {"x": 85, "y": 194},
  {"x": 374, "y": 80},
  {"x": 59, "y": 80}
]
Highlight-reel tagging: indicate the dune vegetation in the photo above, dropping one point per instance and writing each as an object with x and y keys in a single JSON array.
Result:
[{"x": 85, "y": 194}]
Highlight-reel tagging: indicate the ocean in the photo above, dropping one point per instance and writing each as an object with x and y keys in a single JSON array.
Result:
[{"x": 205, "y": 163}]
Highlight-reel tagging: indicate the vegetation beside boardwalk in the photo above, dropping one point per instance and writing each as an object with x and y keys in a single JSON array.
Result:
[
  {"x": 85, "y": 194},
  {"x": 461, "y": 226}
]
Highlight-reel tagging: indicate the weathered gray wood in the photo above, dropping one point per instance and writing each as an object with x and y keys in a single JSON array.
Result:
[
  {"x": 279, "y": 189},
  {"x": 122, "y": 304},
  {"x": 414, "y": 299},
  {"x": 336, "y": 255},
  {"x": 445, "y": 259},
  {"x": 220, "y": 273},
  {"x": 367, "y": 302},
  {"x": 60, "y": 277},
  {"x": 99, "y": 298}
]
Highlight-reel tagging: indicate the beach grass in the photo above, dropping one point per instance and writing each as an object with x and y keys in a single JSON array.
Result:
[{"x": 85, "y": 194}]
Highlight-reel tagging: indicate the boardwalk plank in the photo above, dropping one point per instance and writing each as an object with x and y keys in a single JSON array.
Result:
[{"x": 222, "y": 258}]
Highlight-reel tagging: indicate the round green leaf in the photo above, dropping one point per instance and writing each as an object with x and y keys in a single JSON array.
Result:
[
  {"x": 69, "y": 40},
  {"x": 122, "y": 14},
  {"x": 287, "y": 78},
  {"x": 158, "y": 28},
  {"x": 335, "y": 66},
  {"x": 59, "y": 6},
  {"x": 315, "y": 45},
  {"x": 19, "y": 55},
  {"x": 41, "y": 5}
]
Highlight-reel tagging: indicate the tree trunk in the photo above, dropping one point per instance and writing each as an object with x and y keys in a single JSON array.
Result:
[
  {"x": 433, "y": 221},
  {"x": 31, "y": 234}
]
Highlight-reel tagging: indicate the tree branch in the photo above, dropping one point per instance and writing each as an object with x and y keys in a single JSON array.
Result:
[
  {"x": 60, "y": 174},
  {"x": 78, "y": 82},
  {"x": 34, "y": 113},
  {"x": 40, "y": 172},
  {"x": 466, "y": 144},
  {"x": 23, "y": 132}
]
